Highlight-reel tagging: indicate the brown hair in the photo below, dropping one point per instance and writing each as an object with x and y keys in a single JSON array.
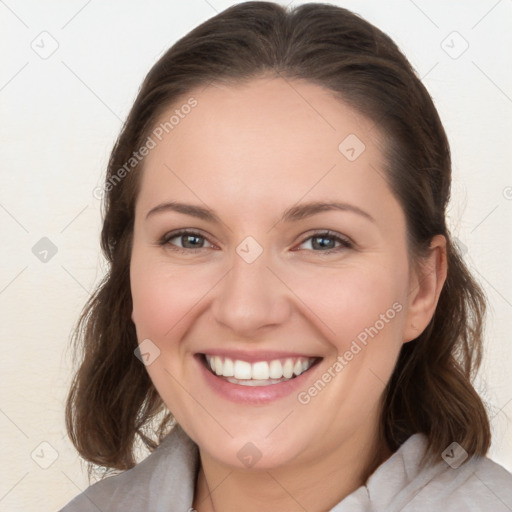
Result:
[{"x": 112, "y": 399}]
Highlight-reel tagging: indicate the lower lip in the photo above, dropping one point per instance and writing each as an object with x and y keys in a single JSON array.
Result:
[{"x": 254, "y": 395}]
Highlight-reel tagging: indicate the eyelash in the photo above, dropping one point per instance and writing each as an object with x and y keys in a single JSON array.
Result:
[{"x": 345, "y": 242}]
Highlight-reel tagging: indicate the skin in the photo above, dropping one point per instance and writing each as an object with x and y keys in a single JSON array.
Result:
[{"x": 249, "y": 152}]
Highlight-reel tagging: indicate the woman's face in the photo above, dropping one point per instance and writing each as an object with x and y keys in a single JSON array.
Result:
[{"x": 259, "y": 281}]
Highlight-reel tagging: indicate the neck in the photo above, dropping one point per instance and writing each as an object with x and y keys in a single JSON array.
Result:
[{"x": 307, "y": 485}]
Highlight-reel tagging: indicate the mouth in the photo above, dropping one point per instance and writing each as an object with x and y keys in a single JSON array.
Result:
[{"x": 258, "y": 373}]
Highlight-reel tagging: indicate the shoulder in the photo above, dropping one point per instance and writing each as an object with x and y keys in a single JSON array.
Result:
[
  {"x": 172, "y": 466},
  {"x": 478, "y": 484}
]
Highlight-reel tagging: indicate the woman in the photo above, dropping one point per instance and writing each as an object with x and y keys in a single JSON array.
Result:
[{"x": 286, "y": 316}]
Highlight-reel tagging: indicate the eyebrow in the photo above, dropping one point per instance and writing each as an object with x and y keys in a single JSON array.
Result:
[{"x": 292, "y": 214}]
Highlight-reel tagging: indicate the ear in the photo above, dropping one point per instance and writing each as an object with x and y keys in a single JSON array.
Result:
[{"x": 426, "y": 283}]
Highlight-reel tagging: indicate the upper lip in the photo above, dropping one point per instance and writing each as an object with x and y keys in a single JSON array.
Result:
[{"x": 253, "y": 356}]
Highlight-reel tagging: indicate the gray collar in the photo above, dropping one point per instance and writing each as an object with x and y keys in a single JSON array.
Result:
[{"x": 165, "y": 482}]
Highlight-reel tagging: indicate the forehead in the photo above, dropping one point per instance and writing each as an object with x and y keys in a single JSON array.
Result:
[
  {"x": 266, "y": 117},
  {"x": 270, "y": 140}
]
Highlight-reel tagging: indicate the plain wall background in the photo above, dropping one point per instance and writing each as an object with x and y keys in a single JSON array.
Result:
[{"x": 60, "y": 116}]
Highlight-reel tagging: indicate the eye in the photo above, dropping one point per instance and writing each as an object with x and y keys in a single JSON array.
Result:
[
  {"x": 188, "y": 240},
  {"x": 325, "y": 242}
]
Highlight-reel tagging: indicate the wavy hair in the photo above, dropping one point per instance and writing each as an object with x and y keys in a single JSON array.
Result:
[{"x": 112, "y": 402}]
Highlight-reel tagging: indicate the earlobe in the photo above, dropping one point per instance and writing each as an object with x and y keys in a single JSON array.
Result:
[{"x": 425, "y": 289}]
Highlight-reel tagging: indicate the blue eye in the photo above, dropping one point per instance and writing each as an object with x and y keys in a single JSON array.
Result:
[
  {"x": 325, "y": 241},
  {"x": 190, "y": 241}
]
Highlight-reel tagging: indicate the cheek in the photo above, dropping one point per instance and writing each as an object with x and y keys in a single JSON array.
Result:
[
  {"x": 162, "y": 296},
  {"x": 359, "y": 309},
  {"x": 377, "y": 315},
  {"x": 164, "y": 299}
]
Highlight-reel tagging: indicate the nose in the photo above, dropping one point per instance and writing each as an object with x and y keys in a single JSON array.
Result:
[{"x": 251, "y": 298}]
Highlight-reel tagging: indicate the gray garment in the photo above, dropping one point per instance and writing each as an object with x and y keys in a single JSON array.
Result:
[{"x": 165, "y": 482}]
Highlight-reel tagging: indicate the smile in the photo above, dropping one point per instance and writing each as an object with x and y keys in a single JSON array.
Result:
[{"x": 259, "y": 373}]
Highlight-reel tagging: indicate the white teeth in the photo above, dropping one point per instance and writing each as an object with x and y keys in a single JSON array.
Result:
[
  {"x": 261, "y": 372},
  {"x": 242, "y": 369},
  {"x": 276, "y": 369},
  {"x": 255, "y": 383},
  {"x": 218, "y": 365},
  {"x": 288, "y": 369},
  {"x": 228, "y": 369}
]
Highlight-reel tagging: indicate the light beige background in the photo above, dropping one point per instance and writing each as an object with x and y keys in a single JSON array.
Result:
[{"x": 60, "y": 114}]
